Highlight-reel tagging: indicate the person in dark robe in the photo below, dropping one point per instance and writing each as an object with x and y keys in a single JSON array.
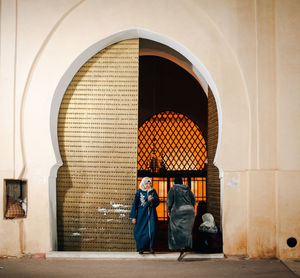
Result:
[
  {"x": 143, "y": 214},
  {"x": 209, "y": 236},
  {"x": 180, "y": 208}
]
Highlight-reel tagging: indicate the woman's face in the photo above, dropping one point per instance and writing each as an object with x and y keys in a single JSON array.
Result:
[{"x": 148, "y": 184}]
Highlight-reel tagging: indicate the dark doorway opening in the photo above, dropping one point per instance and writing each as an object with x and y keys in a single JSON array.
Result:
[{"x": 173, "y": 112}]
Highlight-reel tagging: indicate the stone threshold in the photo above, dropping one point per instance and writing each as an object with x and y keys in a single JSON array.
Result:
[{"x": 129, "y": 255}]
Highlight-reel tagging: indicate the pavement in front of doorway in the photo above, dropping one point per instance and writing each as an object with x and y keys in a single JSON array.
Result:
[
  {"x": 191, "y": 266},
  {"x": 130, "y": 255}
]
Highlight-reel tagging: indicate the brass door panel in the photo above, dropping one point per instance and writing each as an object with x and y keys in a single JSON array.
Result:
[
  {"x": 97, "y": 134},
  {"x": 213, "y": 180}
]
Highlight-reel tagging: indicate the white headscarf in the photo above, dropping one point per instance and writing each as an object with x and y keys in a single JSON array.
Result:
[
  {"x": 208, "y": 224},
  {"x": 143, "y": 182}
]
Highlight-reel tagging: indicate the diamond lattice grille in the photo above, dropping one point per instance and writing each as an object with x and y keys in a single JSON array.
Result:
[{"x": 174, "y": 140}]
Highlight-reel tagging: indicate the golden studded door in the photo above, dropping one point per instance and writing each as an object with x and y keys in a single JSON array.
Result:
[
  {"x": 213, "y": 180},
  {"x": 97, "y": 134}
]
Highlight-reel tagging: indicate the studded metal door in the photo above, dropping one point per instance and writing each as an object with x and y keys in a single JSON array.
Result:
[
  {"x": 97, "y": 133},
  {"x": 213, "y": 180}
]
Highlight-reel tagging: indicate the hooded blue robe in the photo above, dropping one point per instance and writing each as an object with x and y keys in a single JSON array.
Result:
[
  {"x": 145, "y": 229},
  {"x": 180, "y": 206}
]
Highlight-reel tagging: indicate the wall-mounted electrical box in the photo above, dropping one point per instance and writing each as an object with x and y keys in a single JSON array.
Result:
[{"x": 15, "y": 198}]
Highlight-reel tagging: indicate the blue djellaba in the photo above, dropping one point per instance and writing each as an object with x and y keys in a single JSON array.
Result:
[{"x": 144, "y": 212}]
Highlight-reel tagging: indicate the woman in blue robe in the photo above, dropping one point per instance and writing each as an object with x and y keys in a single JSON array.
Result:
[{"x": 143, "y": 215}]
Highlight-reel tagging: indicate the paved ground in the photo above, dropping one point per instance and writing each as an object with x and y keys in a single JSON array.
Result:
[
  {"x": 294, "y": 266},
  {"x": 227, "y": 267}
]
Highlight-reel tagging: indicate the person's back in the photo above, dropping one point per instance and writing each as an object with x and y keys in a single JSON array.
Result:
[
  {"x": 183, "y": 195},
  {"x": 209, "y": 236},
  {"x": 180, "y": 206}
]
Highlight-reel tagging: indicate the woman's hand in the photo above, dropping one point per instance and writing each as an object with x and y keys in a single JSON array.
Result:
[
  {"x": 150, "y": 198},
  {"x": 133, "y": 221},
  {"x": 169, "y": 214}
]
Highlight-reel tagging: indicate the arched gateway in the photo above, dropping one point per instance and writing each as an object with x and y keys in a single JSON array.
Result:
[{"x": 97, "y": 135}]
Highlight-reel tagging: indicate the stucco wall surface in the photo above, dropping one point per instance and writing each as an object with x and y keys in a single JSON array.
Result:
[
  {"x": 247, "y": 50},
  {"x": 288, "y": 115}
]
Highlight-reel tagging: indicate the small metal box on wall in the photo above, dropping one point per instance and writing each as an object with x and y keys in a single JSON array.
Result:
[{"x": 15, "y": 198}]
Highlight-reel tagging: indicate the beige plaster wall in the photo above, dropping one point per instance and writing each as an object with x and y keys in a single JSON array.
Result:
[
  {"x": 261, "y": 214},
  {"x": 288, "y": 65},
  {"x": 9, "y": 231},
  {"x": 235, "y": 213},
  {"x": 288, "y": 216},
  {"x": 247, "y": 47},
  {"x": 288, "y": 106},
  {"x": 248, "y": 27}
]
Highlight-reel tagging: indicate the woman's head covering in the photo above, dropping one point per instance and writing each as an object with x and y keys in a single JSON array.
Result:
[
  {"x": 143, "y": 182},
  {"x": 208, "y": 224}
]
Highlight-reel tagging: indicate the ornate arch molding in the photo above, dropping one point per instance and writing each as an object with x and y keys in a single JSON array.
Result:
[{"x": 194, "y": 66}]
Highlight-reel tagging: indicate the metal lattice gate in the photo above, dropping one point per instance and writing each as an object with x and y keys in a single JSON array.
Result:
[
  {"x": 174, "y": 140},
  {"x": 97, "y": 133}
]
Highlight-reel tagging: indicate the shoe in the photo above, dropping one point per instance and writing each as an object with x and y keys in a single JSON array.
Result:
[
  {"x": 182, "y": 254},
  {"x": 141, "y": 252},
  {"x": 151, "y": 251}
]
